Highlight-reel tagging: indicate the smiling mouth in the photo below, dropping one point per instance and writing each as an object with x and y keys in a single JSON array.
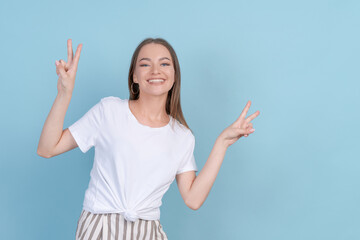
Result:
[{"x": 156, "y": 80}]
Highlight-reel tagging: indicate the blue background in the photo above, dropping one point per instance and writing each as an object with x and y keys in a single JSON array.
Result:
[{"x": 296, "y": 177}]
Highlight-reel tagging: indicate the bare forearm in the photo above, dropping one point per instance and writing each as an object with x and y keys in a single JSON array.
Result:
[
  {"x": 53, "y": 125},
  {"x": 203, "y": 183},
  {"x": 205, "y": 179}
]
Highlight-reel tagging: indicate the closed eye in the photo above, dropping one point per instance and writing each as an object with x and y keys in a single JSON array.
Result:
[{"x": 143, "y": 65}]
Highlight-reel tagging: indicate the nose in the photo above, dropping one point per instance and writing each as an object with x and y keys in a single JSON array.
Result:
[{"x": 155, "y": 69}]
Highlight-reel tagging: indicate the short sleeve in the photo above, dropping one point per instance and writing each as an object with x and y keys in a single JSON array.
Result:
[
  {"x": 85, "y": 130},
  {"x": 188, "y": 162}
]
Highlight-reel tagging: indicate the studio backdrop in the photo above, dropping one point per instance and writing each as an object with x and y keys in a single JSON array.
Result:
[{"x": 296, "y": 177}]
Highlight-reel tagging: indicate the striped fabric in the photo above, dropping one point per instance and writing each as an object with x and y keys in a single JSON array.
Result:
[{"x": 113, "y": 226}]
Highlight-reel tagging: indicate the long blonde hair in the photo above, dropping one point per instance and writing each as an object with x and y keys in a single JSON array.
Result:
[{"x": 173, "y": 105}]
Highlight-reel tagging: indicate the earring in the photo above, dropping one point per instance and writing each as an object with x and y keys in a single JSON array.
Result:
[{"x": 132, "y": 89}]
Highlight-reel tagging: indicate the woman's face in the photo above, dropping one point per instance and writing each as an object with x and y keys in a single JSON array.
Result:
[{"x": 154, "y": 62}]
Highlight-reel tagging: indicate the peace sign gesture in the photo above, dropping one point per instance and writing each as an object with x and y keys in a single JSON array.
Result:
[
  {"x": 241, "y": 127},
  {"x": 67, "y": 70}
]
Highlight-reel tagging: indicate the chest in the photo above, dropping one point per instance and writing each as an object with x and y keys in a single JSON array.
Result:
[{"x": 137, "y": 150}]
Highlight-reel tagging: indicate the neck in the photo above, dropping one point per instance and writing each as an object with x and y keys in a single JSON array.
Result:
[{"x": 151, "y": 107}]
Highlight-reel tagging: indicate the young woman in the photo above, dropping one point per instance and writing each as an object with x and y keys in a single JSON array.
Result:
[{"x": 141, "y": 145}]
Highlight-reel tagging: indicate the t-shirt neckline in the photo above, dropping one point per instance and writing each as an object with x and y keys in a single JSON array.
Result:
[{"x": 140, "y": 124}]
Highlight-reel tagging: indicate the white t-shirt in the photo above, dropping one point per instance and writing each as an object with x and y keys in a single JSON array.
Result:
[{"x": 134, "y": 164}]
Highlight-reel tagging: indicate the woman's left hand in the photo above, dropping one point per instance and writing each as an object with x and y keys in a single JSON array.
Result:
[{"x": 241, "y": 127}]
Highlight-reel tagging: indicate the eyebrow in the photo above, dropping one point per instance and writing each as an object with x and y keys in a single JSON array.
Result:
[{"x": 159, "y": 59}]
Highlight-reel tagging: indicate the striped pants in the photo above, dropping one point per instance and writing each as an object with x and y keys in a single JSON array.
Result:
[{"x": 113, "y": 226}]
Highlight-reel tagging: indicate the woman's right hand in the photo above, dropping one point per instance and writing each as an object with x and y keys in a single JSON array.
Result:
[{"x": 67, "y": 70}]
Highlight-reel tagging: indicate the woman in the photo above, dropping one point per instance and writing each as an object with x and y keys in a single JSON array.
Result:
[{"x": 141, "y": 145}]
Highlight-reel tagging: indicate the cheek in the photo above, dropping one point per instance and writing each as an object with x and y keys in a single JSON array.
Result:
[
  {"x": 171, "y": 73},
  {"x": 141, "y": 73}
]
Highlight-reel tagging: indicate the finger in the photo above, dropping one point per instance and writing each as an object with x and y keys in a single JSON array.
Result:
[
  {"x": 56, "y": 64},
  {"x": 244, "y": 112},
  {"x": 59, "y": 63},
  {"x": 61, "y": 70},
  {"x": 248, "y": 128},
  {"x": 77, "y": 56},
  {"x": 246, "y": 108},
  {"x": 70, "y": 51},
  {"x": 252, "y": 116},
  {"x": 241, "y": 132},
  {"x": 64, "y": 64}
]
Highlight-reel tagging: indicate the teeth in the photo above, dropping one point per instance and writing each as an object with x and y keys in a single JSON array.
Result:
[{"x": 156, "y": 80}]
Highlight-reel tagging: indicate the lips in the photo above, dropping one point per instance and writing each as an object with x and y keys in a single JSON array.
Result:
[{"x": 154, "y": 78}]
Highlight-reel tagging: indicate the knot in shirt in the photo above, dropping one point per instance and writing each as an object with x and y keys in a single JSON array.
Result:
[{"x": 130, "y": 215}]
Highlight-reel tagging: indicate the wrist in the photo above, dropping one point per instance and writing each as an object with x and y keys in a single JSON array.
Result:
[
  {"x": 65, "y": 94},
  {"x": 222, "y": 141}
]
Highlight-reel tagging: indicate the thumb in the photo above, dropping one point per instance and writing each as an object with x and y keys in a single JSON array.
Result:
[
  {"x": 247, "y": 131},
  {"x": 60, "y": 69},
  {"x": 234, "y": 132}
]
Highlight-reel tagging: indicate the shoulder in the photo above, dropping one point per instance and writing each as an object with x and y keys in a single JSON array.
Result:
[
  {"x": 182, "y": 131},
  {"x": 111, "y": 99},
  {"x": 190, "y": 137},
  {"x": 112, "y": 102}
]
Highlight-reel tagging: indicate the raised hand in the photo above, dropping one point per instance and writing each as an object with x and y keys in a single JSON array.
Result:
[
  {"x": 241, "y": 127},
  {"x": 67, "y": 70}
]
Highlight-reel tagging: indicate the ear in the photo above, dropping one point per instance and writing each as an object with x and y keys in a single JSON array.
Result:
[{"x": 134, "y": 78}]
